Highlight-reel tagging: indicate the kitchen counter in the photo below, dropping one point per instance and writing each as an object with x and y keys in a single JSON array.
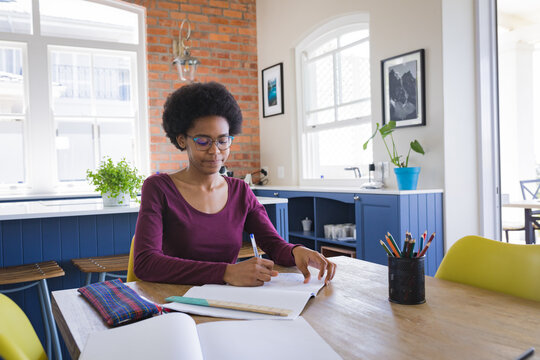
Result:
[
  {"x": 355, "y": 190},
  {"x": 77, "y": 207}
]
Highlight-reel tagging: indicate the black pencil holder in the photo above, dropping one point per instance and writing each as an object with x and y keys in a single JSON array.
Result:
[{"x": 406, "y": 283}]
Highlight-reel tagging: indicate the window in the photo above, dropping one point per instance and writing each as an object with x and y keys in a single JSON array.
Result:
[
  {"x": 12, "y": 112},
  {"x": 335, "y": 99},
  {"x": 72, "y": 91}
]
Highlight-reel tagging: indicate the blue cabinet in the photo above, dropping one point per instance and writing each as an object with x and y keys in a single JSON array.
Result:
[{"x": 374, "y": 214}]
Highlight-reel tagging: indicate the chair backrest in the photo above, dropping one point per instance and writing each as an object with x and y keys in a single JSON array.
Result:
[
  {"x": 508, "y": 268},
  {"x": 130, "y": 273},
  {"x": 530, "y": 189},
  {"x": 18, "y": 340}
]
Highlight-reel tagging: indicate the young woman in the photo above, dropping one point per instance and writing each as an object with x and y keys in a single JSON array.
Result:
[{"x": 190, "y": 223}]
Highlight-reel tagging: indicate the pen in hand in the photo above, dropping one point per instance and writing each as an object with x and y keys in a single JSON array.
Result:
[{"x": 254, "y": 244}]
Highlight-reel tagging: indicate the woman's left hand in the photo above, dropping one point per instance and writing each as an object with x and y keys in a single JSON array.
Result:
[{"x": 304, "y": 257}]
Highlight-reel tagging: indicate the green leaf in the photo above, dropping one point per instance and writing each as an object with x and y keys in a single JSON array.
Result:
[
  {"x": 388, "y": 129},
  {"x": 372, "y": 136},
  {"x": 415, "y": 145}
]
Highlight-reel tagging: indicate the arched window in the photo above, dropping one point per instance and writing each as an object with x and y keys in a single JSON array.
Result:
[
  {"x": 72, "y": 90},
  {"x": 334, "y": 97}
]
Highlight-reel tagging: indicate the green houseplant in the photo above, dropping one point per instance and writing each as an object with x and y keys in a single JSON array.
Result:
[
  {"x": 117, "y": 183},
  {"x": 407, "y": 177}
]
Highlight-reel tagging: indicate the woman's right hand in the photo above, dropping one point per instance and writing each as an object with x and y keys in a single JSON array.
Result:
[{"x": 252, "y": 272}]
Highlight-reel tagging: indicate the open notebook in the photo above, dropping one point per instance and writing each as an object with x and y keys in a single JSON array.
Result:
[
  {"x": 175, "y": 336},
  {"x": 285, "y": 291}
]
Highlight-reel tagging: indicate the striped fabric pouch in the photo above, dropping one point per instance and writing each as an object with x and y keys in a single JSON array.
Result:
[{"x": 118, "y": 303}]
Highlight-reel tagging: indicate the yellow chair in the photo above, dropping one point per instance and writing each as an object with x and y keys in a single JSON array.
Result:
[
  {"x": 508, "y": 268},
  {"x": 18, "y": 340},
  {"x": 130, "y": 273}
]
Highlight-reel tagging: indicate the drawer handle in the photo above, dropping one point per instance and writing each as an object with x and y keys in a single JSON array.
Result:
[
  {"x": 276, "y": 194},
  {"x": 356, "y": 197}
]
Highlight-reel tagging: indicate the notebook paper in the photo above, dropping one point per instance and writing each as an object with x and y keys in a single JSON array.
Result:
[
  {"x": 285, "y": 291},
  {"x": 175, "y": 336}
]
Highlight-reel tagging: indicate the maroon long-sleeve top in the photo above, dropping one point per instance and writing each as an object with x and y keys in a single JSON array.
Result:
[{"x": 176, "y": 243}]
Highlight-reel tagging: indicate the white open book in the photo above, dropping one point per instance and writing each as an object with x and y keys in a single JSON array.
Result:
[
  {"x": 175, "y": 336},
  {"x": 285, "y": 291}
]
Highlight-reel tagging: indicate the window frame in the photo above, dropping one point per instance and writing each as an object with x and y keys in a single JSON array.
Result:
[
  {"x": 40, "y": 156},
  {"x": 322, "y": 33}
]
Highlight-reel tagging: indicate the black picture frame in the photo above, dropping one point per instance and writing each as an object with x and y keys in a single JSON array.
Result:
[
  {"x": 404, "y": 89},
  {"x": 272, "y": 90}
]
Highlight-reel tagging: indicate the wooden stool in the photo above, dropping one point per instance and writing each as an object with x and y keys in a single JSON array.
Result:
[
  {"x": 38, "y": 273},
  {"x": 102, "y": 265},
  {"x": 246, "y": 251}
]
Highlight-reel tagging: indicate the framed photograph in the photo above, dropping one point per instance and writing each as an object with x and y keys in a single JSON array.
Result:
[
  {"x": 403, "y": 89},
  {"x": 272, "y": 90}
]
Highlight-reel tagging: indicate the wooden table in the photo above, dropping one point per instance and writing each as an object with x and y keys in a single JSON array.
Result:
[
  {"x": 528, "y": 206},
  {"x": 354, "y": 316}
]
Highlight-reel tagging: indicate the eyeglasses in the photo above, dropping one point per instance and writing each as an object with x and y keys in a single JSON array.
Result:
[{"x": 203, "y": 143}]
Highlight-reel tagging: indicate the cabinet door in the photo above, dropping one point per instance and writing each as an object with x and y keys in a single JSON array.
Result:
[{"x": 375, "y": 216}]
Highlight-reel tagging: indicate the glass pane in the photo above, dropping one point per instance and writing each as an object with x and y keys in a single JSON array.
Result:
[
  {"x": 320, "y": 83},
  {"x": 112, "y": 85},
  {"x": 16, "y": 16},
  {"x": 355, "y": 76},
  {"x": 351, "y": 37},
  {"x": 11, "y": 81},
  {"x": 81, "y": 19},
  {"x": 329, "y": 152},
  {"x": 116, "y": 140},
  {"x": 71, "y": 83},
  {"x": 324, "y": 48},
  {"x": 75, "y": 150},
  {"x": 320, "y": 117},
  {"x": 11, "y": 152},
  {"x": 355, "y": 110}
]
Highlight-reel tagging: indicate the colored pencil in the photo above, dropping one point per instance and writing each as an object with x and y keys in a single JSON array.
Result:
[
  {"x": 386, "y": 249},
  {"x": 405, "y": 245},
  {"x": 396, "y": 252},
  {"x": 394, "y": 243},
  {"x": 420, "y": 254},
  {"x": 230, "y": 305},
  {"x": 422, "y": 239},
  {"x": 411, "y": 250}
]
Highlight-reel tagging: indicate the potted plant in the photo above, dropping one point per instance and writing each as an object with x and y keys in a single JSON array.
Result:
[
  {"x": 407, "y": 177},
  {"x": 117, "y": 183}
]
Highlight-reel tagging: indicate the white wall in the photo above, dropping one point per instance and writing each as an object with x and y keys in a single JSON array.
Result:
[
  {"x": 395, "y": 27},
  {"x": 461, "y": 198}
]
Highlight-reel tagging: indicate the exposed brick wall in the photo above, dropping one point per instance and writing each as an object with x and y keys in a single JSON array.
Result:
[{"x": 224, "y": 39}]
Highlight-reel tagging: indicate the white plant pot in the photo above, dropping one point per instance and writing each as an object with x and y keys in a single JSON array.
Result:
[{"x": 121, "y": 200}]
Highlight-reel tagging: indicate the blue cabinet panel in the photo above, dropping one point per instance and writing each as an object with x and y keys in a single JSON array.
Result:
[
  {"x": 88, "y": 236},
  {"x": 375, "y": 216},
  {"x": 31, "y": 241},
  {"x": 105, "y": 234},
  {"x": 12, "y": 235},
  {"x": 419, "y": 213}
]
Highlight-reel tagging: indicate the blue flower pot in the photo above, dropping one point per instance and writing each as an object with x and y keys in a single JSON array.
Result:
[{"x": 407, "y": 178}]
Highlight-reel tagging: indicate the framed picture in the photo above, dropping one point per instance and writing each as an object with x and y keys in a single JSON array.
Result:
[
  {"x": 403, "y": 89},
  {"x": 272, "y": 90}
]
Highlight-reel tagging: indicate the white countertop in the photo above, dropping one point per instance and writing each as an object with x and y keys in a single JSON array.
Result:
[
  {"x": 355, "y": 190},
  {"x": 77, "y": 207}
]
